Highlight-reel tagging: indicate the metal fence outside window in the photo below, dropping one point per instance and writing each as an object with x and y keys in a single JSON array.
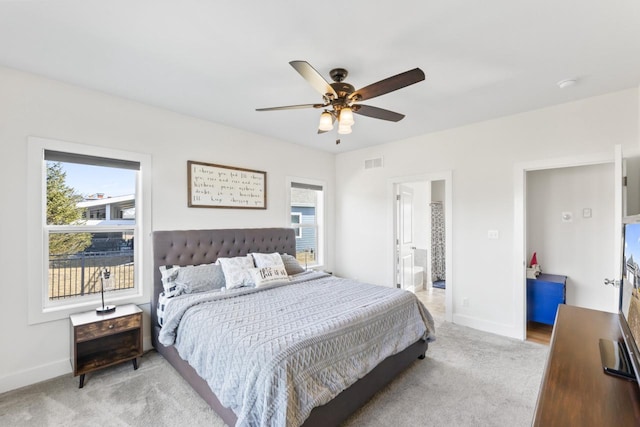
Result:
[{"x": 78, "y": 274}]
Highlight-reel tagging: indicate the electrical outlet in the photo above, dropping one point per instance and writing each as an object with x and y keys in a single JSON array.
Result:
[
  {"x": 465, "y": 302},
  {"x": 493, "y": 234}
]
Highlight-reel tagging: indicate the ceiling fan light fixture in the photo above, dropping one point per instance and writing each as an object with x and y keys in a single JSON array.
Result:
[
  {"x": 344, "y": 129},
  {"x": 346, "y": 116},
  {"x": 340, "y": 99},
  {"x": 326, "y": 122}
]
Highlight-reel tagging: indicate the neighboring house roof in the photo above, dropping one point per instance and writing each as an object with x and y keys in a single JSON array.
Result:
[
  {"x": 124, "y": 204},
  {"x": 106, "y": 201}
]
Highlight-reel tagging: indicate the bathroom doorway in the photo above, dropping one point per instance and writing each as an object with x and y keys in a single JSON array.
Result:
[{"x": 421, "y": 241}]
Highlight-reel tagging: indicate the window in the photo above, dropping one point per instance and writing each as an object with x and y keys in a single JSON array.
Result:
[
  {"x": 82, "y": 231},
  {"x": 306, "y": 213},
  {"x": 83, "y": 236}
]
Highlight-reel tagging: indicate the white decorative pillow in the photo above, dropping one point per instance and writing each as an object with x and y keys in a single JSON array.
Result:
[
  {"x": 268, "y": 275},
  {"x": 267, "y": 260},
  {"x": 199, "y": 278},
  {"x": 236, "y": 271},
  {"x": 168, "y": 274}
]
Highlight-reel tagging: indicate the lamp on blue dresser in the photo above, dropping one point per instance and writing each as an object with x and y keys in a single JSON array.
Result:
[{"x": 544, "y": 294}]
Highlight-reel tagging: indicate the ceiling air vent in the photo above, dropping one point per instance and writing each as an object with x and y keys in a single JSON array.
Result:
[{"x": 373, "y": 163}]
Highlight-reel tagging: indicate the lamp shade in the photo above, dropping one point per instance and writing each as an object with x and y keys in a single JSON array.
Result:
[
  {"x": 326, "y": 122},
  {"x": 343, "y": 129},
  {"x": 346, "y": 116}
]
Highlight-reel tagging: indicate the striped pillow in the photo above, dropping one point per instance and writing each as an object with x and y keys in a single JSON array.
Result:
[
  {"x": 168, "y": 275},
  {"x": 163, "y": 300}
]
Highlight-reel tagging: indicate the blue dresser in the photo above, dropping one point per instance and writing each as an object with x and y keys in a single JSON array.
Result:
[{"x": 543, "y": 296}]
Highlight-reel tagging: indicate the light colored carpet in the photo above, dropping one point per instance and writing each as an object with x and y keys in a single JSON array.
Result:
[{"x": 469, "y": 378}]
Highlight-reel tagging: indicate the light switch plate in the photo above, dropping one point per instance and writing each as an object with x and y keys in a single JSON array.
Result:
[{"x": 586, "y": 213}]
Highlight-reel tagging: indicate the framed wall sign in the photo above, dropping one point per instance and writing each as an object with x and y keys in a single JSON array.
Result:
[{"x": 218, "y": 186}]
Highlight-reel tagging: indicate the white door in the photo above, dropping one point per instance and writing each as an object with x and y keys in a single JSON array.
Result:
[{"x": 405, "y": 244}]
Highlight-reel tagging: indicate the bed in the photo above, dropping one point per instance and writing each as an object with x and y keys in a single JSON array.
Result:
[{"x": 196, "y": 247}]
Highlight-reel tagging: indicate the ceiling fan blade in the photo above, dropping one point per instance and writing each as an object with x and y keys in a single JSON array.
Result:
[
  {"x": 291, "y": 107},
  {"x": 313, "y": 77},
  {"x": 377, "y": 113},
  {"x": 389, "y": 84}
]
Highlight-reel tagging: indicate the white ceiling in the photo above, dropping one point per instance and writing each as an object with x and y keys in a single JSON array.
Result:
[{"x": 219, "y": 60}]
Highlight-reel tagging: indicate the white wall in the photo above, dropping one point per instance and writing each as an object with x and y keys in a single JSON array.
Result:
[
  {"x": 34, "y": 106},
  {"x": 577, "y": 249},
  {"x": 482, "y": 158}
]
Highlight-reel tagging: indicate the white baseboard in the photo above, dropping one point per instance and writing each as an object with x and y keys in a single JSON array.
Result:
[
  {"x": 34, "y": 375},
  {"x": 46, "y": 372},
  {"x": 488, "y": 326}
]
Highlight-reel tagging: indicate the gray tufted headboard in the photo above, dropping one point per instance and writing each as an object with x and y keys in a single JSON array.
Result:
[{"x": 193, "y": 247}]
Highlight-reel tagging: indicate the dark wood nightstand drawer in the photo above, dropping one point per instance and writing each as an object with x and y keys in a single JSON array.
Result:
[
  {"x": 107, "y": 327},
  {"x": 101, "y": 340}
]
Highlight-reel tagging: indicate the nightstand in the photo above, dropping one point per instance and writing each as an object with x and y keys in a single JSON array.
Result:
[{"x": 101, "y": 340}]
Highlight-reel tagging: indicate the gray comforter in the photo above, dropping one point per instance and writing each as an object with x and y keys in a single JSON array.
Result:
[{"x": 272, "y": 354}]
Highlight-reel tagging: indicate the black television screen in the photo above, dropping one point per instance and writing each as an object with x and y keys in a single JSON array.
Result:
[{"x": 629, "y": 316}]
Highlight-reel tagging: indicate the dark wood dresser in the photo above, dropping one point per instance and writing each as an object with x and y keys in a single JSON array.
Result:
[{"x": 575, "y": 391}]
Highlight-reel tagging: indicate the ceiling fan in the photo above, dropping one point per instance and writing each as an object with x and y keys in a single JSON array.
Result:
[{"x": 340, "y": 99}]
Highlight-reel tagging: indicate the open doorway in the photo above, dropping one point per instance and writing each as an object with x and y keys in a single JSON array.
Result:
[
  {"x": 578, "y": 192},
  {"x": 569, "y": 215},
  {"x": 421, "y": 226}
]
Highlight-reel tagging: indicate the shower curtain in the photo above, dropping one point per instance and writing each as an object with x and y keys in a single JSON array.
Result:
[{"x": 437, "y": 242}]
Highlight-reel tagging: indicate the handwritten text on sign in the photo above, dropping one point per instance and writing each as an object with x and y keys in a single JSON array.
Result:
[{"x": 226, "y": 187}]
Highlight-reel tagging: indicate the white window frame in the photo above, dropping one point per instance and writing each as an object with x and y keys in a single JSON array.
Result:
[
  {"x": 41, "y": 309},
  {"x": 298, "y": 230},
  {"x": 320, "y": 220}
]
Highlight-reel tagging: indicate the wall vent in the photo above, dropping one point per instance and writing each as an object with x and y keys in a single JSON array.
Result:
[{"x": 373, "y": 163}]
